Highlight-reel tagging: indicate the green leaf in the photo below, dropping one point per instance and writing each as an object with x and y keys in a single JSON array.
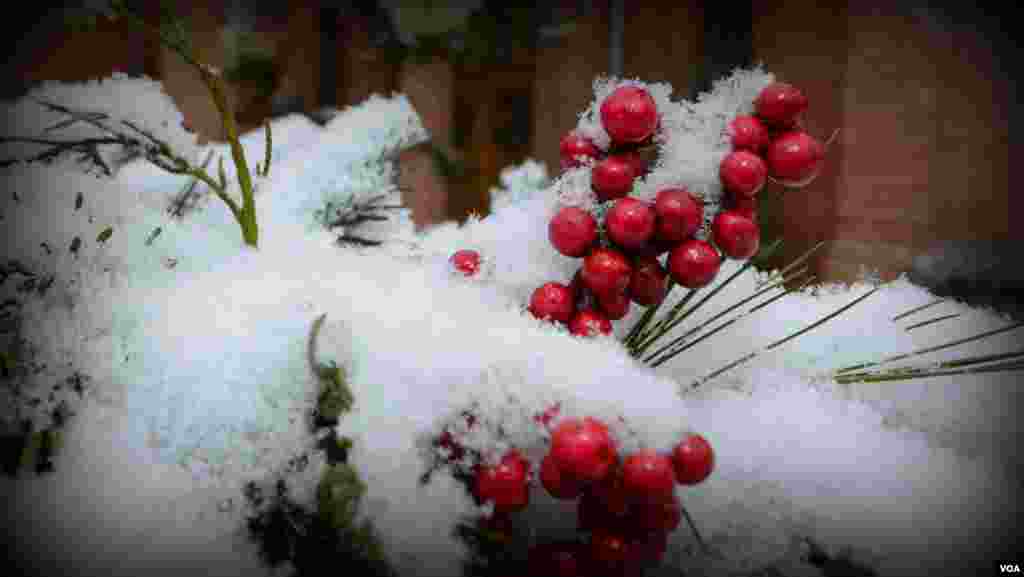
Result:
[
  {"x": 338, "y": 495},
  {"x": 335, "y": 397},
  {"x": 105, "y": 235}
]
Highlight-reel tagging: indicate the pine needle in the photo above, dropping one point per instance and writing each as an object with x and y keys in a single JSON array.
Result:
[
  {"x": 784, "y": 340},
  {"x": 723, "y": 326},
  {"x": 918, "y": 373},
  {"x": 682, "y": 337},
  {"x": 931, "y": 321},
  {"x": 931, "y": 349},
  {"x": 942, "y": 367},
  {"x": 918, "y": 309}
]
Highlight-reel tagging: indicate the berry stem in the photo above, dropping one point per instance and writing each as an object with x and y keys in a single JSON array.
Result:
[
  {"x": 696, "y": 533},
  {"x": 835, "y": 133},
  {"x": 681, "y": 346},
  {"x": 648, "y": 315},
  {"x": 676, "y": 317},
  {"x": 646, "y": 337}
]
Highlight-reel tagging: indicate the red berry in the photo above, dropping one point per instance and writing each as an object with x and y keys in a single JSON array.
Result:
[
  {"x": 679, "y": 214},
  {"x": 693, "y": 460},
  {"x": 779, "y": 104},
  {"x": 648, "y": 476},
  {"x": 610, "y": 492},
  {"x": 629, "y": 115},
  {"x": 584, "y": 298},
  {"x": 694, "y": 263},
  {"x": 630, "y": 223},
  {"x": 745, "y": 206},
  {"x": 613, "y": 177},
  {"x": 583, "y": 449},
  {"x": 649, "y": 547},
  {"x": 591, "y": 513},
  {"x": 743, "y": 173},
  {"x": 662, "y": 516},
  {"x": 572, "y": 231},
  {"x": 572, "y": 147},
  {"x": 557, "y": 483},
  {"x": 748, "y": 133},
  {"x": 654, "y": 248},
  {"x": 606, "y": 271},
  {"x": 737, "y": 235},
  {"x": 609, "y": 549},
  {"x": 638, "y": 162},
  {"x": 589, "y": 323},
  {"x": 795, "y": 158},
  {"x": 615, "y": 306},
  {"x": 555, "y": 560},
  {"x": 466, "y": 261},
  {"x": 505, "y": 483},
  {"x": 553, "y": 301},
  {"x": 648, "y": 284}
]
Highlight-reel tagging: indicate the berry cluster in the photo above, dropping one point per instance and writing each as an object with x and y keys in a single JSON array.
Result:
[
  {"x": 623, "y": 265},
  {"x": 627, "y": 504}
]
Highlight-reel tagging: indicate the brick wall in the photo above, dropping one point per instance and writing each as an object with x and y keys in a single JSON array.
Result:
[
  {"x": 921, "y": 155},
  {"x": 922, "y": 104},
  {"x": 44, "y": 49},
  {"x": 429, "y": 89},
  {"x": 565, "y": 72}
]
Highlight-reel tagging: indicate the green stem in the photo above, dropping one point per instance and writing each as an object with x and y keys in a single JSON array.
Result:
[
  {"x": 246, "y": 214},
  {"x": 645, "y": 320},
  {"x": 669, "y": 356},
  {"x": 644, "y": 336},
  {"x": 679, "y": 339}
]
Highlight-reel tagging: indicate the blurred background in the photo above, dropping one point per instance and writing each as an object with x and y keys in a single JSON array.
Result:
[{"x": 921, "y": 95}]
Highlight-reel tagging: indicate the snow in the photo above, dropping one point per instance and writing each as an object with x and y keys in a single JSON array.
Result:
[{"x": 200, "y": 383}]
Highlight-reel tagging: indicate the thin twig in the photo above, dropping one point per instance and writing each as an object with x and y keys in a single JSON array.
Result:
[
  {"x": 918, "y": 309},
  {"x": 931, "y": 321},
  {"x": 696, "y": 533},
  {"x": 802, "y": 258}
]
